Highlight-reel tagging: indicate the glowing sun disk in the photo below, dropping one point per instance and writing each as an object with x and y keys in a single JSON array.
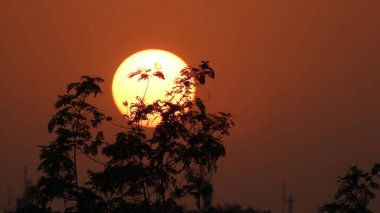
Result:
[{"x": 127, "y": 89}]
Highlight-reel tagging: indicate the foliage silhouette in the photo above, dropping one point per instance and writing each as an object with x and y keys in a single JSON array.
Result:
[
  {"x": 73, "y": 122},
  {"x": 355, "y": 191},
  {"x": 230, "y": 208},
  {"x": 144, "y": 172},
  {"x": 178, "y": 159}
]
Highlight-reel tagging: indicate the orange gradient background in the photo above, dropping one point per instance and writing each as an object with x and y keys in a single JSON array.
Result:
[{"x": 301, "y": 77}]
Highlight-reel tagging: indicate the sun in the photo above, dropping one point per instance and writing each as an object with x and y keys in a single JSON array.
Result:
[{"x": 127, "y": 89}]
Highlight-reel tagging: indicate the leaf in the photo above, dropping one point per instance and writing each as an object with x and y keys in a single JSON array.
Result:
[
  {"x": 133, "y": 74},
  {"x": 200, "y": 105},
  {"x": 159, "y": 74},
  {"x": 207, "y": 70},
  {"x": 201, "y": 78},
  {"x": 211, "y": 73},
  {"x": 186, "y": 83},
  {"x": 143, "y": 77},
  {"x": 63, "y": 100}
]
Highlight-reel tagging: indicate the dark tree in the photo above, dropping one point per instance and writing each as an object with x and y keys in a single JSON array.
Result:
[
  {"x": 72, "y": 123},
  {"x": 178, "y": 159},
  {"x": 144, "y": 172},
  {"x": 355, "y": 191}
]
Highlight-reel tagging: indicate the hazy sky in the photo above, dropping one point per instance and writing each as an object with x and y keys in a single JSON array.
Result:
[{"x": 301, "y": 77}]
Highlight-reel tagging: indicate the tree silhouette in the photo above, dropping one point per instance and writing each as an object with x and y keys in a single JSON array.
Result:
[
  {"x": 143, "y": 172},
  {"x": 178, "y": 159},
  {"x": 73, "y": 122},
  {"x": 355, "y": 191}
]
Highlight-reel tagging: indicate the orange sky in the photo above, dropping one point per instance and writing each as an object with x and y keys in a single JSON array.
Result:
[{"x": 302, "y": 78}]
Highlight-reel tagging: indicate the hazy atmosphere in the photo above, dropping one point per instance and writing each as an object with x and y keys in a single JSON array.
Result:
[{"x": 300, "y": 77}]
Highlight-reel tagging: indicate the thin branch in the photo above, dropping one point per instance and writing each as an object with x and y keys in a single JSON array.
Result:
[
  {"x": 204, "y": 88},
  {"x": 146, "y": 89},
  {"x": 93, "y": 159},
  {"x": 118, "y": 125}
]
